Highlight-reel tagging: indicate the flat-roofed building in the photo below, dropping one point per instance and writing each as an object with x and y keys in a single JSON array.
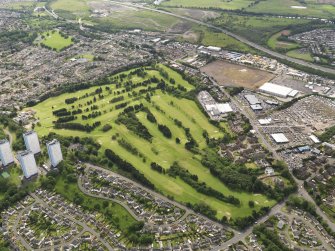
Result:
[
  {"x": 279, "y": 138},
  {"x": 278, "y": 90},
  {"x": 6, "y": 155},
  {"x": 31, "y": 142},
  {"x": 28, "y": 163},
  {"x": 54, "y": 152}
]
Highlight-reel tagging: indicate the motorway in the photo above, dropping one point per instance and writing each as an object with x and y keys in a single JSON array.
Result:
[{"x": 237, "y": 37}]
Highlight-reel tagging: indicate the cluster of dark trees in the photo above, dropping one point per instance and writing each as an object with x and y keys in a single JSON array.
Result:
[
  {"x": 150, "y": 116},
  {"x": 204, "y": 209},
  {"x": 129, "y": 147},
  {"x": 121, "y": 105},
  {"x": 78, "y": 126},
  {"x": 7, "y": 121},
  {"x": 61, "y": 112},
  {"x": 133, "y": 124},
  {"x": 243, "y": 179},
  {"x": 106, "y": 128},
  {"x": 201, "y": 187},
  {"x": 65, "y": 119},
  {"x": 165, "y": 131},
  {"x": 191, "y": 144},
  {"x": 129, "y": 168},
  {"x": 91, "y": 115},
  {"x": 269, "y": 239},
  {"x": 116, "y": 99},
  {"x": 157, "y": 167},
  {"x": 70, "y": 100},
  {"x": 11, "y": 194}
]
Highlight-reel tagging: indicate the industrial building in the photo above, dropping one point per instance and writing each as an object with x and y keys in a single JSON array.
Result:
[
  {"x": 31, "y": 142},
  {"x": 218, "y": 109},
  {"x": 278, "y": 90},
  {"x": 254, "y": 102},
  {"x": 28, "y": 163},
  {"x": 279, "y": 138},
  {"x": 54, "y": 152},
  {"x": 6, "y": 155}
]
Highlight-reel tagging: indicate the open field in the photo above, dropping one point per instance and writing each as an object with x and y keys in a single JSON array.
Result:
[
  {"x": 79, "y": 8},
  {"x": 256, "y": 28},
  {"x": 215, "y": 4},
  {"x": 297, "y": 54},
  {"x": 141, "y": 19},
  {"x": 276, "y": 44},
  {"x": 55, "y": 40},
  {"x": 207, "y": 37},
  {"x": 292, "y": 7},
  {"x": 229, "y": 74},
  {"x": 162, "y": 150}
]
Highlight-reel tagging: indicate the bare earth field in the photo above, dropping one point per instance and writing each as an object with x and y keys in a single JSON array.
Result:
[{"x": 237, "y": 75}]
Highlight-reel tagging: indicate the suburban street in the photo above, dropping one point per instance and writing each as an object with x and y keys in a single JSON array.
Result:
[
  {"x": 85, "y": 227},
  {"x": 237, "y": 37}
]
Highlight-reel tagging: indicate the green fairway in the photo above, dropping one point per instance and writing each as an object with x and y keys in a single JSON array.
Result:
[
  {"x": 55, "y": 40},
  {"x": 215, "y": 4},
  {"x": 164, "y": 151}
]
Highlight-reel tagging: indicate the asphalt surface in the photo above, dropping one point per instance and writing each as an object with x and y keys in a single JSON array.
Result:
[{"x": 237, "y": 37}]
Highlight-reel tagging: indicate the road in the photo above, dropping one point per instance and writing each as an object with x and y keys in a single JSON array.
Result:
[
  {"x": 237, "y": 37},
  {"x": 302, "y": 192},
  {"x": 157, "y": 195}
]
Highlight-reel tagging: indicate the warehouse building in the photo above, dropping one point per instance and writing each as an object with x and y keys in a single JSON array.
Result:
[
  {"x": 31, "y": 142},
  {"x": 278, "y": 90},
  {"x": 28, "y": 163},
  {"x": 6, "y": 155},
  {"x": 279, "y": 138},
  {"x": 54, "y": 152},
  {"x": 254, "y": 102},
  {"x": 218, "y": 109}
]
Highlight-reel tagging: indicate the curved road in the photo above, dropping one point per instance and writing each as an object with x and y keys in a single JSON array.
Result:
[{"x": 237, "y": 37}]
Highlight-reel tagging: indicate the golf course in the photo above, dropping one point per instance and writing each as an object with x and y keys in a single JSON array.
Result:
[{"x": 160, "y": 122}]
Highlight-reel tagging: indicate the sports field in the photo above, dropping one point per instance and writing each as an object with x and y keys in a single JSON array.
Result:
[
  {"x": 229, "y": 74},
  {"x": 164, "y": 151},
  {"x": 55, "y": 40}
]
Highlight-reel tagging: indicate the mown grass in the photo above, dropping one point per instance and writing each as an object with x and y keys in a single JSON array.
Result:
[
  {"x": 163, "y": 151},
  {"x": 55, "y": 40}
]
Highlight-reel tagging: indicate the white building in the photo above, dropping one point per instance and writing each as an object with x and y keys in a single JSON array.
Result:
[
  {"x": 6, "y": 155},
  {"x": 279, "y": 138},
  {"x": 28, "y": 163},
  {"x": 31, "y": 142},
  {"x": 278, "y": 90},
  {"x": 55, "y": 152}
]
